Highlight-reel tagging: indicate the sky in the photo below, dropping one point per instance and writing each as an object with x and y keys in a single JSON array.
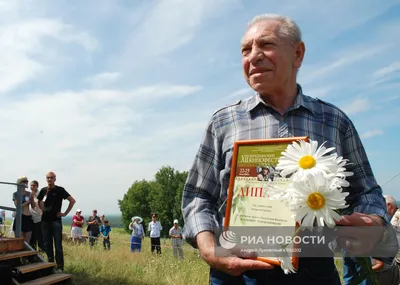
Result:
[{"x": 105, "y": 93}]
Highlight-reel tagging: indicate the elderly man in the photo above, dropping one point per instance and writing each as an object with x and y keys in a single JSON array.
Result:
[
  {"x": 272, "y": 53},
  {"x": 50, "y": 202},
  {"x": 390, "y": 274},
  {"x": 175, "y": 233}
]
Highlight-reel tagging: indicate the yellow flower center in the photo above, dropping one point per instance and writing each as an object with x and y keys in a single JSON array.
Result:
[
  {"x": 307, "y": 162},
  {"x": 315, "y": 201}
]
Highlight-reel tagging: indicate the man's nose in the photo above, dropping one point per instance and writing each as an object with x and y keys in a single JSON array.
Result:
[{"x": 256, "y": 55}]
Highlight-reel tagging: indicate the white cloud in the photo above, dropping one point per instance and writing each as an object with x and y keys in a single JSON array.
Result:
[
  {"x": 394, "y": 67},
  {"x": 24, "y": 43},
  {"x": 319, "y": 92},
  {"x": 169, "y": 25},
  {"x": 99, "y": 137},
  {"x": 103, "y": 78},
  {"x": 371, "y": 133},
  {"x": 357, "y": 106},
  {"x": 311, "y": 74},
  {"x": 244, "y": 92}
]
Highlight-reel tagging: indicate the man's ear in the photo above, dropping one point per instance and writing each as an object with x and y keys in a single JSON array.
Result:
[{"x": 299, "y": 55}]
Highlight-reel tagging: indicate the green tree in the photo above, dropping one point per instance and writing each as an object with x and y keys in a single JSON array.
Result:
[
  {"x": 135, "y": 202},
  {"x": 162, "y": 195},
  {"x": 165, "y": 197}
]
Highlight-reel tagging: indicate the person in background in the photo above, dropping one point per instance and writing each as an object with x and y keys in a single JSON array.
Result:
[
  {"x": 155, "y": 229},
  {"x": 137, "y": 234},
  {"x": 94, "y": 223},
  {"x": 175, "y": 233},
  {"x": 37, "y": 239},
  {"x": 389, "y": 274},
  {"x": 105, "y": 230},
  {"x": 77, "y": 222},
  {"x": 2, "y": 221},
  {"x": 11, "y": 229},
  {"x": 102, "y": 219},
  {"x": 50, "y": 202},
  {"x": 27, "y": 200}
]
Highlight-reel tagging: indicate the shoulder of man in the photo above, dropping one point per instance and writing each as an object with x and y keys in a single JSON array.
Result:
[
  {"x": 333, "y": 106},
  {"x": 237, "y": 103},
  {"x": 59, "y": 188},
  {"x": 42, "y": 193}
]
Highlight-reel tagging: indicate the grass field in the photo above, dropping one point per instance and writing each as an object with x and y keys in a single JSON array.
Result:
[{"x": 120, "y": 267}]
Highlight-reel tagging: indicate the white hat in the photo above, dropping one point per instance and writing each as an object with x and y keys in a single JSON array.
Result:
[
  {"x": 176, "y": 221},
  {"x": 137, "y": 218},
  {"x": 78, "y": 210}
]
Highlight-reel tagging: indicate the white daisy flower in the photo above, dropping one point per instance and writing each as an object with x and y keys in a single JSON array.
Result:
[
  {"x": 316, "y": 198},
  {"x": 302, "y": 158},
  {"x": 341, "y": 174},
  {"x": 286, "y": 264}
]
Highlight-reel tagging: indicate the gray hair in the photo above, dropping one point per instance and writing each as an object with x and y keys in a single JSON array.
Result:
[
  {"x": 288, "y": 29},
  {"x": 391, "y": 200}
]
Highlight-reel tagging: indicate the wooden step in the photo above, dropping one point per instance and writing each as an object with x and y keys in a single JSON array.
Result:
[
  {"x": 11, "y": 244},
  {"x": 35, "y": 267},
  {"x": 17, "y": 254},
  {"x": 48, "y": 280}
]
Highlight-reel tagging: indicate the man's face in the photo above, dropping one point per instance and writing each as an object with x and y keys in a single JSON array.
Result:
[
  {"x": 50, "y": 178},
  {"x": 94, "y": 213},
  {"x": 269, "y": 60},
  {"x": 33, "y": 188},
  {"x": 154, "y": 218},
  {"x": 390, "y": 208}
]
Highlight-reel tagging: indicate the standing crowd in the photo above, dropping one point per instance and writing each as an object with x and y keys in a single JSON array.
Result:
[
  {"x": 42, "y": 227},
  {"x": 41, "y": 223},
  {"x": 154, "y": 228}
]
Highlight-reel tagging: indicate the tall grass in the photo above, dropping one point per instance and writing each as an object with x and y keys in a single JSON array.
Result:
[{"x": 121, "y": 267}]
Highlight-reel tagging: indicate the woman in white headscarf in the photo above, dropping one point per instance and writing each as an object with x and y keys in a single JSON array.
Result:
[{"x": 137, "y": 234}]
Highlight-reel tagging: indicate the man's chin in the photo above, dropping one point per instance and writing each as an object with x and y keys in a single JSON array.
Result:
[{"x": 261, "y": 88}]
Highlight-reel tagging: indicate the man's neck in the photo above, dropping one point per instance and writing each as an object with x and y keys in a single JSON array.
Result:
[{"x": 281, "y": 99}]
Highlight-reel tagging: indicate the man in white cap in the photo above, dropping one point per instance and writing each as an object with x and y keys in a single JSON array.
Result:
[
  {"x": 175, "y": 234},
  {"x": 390, "y": 273}
]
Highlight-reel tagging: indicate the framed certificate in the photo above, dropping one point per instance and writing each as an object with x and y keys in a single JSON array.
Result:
[{"x": 253, "y": 176}]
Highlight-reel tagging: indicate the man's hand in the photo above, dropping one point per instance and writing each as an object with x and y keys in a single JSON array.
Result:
[
  {"x": 361, "y": 234},
  {"x": 232, "y": 265},
  {"x": 60, "y": 214}
]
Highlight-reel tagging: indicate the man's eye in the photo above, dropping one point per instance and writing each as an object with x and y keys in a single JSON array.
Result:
[
  {"x": 267, "y": 45},
  {"x": 245, "y": 51}
]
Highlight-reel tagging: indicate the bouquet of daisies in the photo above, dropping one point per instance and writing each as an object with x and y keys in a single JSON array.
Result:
[{"x": 317, "y": 176}]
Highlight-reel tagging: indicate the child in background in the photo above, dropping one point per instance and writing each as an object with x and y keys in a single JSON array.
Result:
[{"x": 105, "y": 230}]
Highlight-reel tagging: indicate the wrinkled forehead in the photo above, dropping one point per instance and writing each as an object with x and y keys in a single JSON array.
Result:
[{"x": 262, "y": 29}]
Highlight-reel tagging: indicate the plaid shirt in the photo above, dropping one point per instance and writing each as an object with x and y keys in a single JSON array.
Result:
[
  {"x": 208, "y": 180},
  {"x": 176, "y": 232}
]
